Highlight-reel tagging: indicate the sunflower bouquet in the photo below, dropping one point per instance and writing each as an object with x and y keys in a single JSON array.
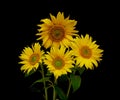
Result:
[{"x": 62, "y": 55}]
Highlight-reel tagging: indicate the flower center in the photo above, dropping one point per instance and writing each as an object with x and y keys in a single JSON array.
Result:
[
  {"x": 85, "y": 52},
  {"x": 34, "y": 58},
  {"x": 58, "y": 63},
  {"x": 57, "y": 33}
]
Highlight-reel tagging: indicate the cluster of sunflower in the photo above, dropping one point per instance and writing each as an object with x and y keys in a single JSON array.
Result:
[{"x": 66, "y": 54}]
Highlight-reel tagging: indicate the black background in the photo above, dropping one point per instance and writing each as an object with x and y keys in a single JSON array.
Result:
[{"x": 97, "y": 19}]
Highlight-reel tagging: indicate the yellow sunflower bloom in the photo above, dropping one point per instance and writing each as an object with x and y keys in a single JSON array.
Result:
[
  {"x": 59, "y": 61},
  {"x": 57, "y": 30},
  {"x": 87, "y": 52},
  {"x": 31, "y": 57}
]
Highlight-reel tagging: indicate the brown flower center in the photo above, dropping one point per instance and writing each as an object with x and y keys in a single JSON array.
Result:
[
  {"x": 34, "y": 58},
  {"x": 58, "y": 63},
  {"x": 85, "y": 52},
  {"x": 57, "y": 33}
]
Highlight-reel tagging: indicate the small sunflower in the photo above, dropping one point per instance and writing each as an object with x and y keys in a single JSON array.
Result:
[
  {"x": 86, "y": 51},
  {"x": 59, "y": 61},
  {"x": 57, "y": 31},
  {"x": 31, "y": 57}
]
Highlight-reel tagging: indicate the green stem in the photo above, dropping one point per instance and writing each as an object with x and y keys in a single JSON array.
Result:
[
  {"x": 54, "y": 92},
  {"x": 69, "y": 88},
  {"x": 46, "y": 95}
]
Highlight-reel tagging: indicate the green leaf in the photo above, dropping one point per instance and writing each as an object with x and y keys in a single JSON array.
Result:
[
  {"x": 75, "y": 81},
  {"x": 81, "y": 70},
  {"x": 60, "y": 93},
  {"x": 30, "y": 73},
  {"x": 40, "y": 80}
]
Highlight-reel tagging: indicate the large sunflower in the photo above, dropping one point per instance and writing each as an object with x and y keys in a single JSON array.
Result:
[
  {"x": 56, "y": 31},
  {"x": 31, "y": 57},
  {"x": 59, "y": 61},
  {"x": 86, "y": 51}
]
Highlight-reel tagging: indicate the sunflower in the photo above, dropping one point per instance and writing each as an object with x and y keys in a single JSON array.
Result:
[
  {"x": 86, "y": 51},
  {"x": 59, "y": 61},
  {"x": 57, "y": 30},
  {"x": 31, "y": 57}
]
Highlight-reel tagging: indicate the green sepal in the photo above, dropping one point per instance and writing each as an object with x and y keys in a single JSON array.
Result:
[
  {"x": 63, "y": 78},
  {"x": 81, "y": 70},
  {"x": 30, "y": 73},
  {"x": 48, "y": 73}
]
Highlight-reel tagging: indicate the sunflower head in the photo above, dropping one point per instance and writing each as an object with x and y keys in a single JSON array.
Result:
[
  {"x": 31, "y": 57},
  {"x": 59, "y": 61},
  {"x": 57, "y": 30},
  {"x": 87, "y": 52}
]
